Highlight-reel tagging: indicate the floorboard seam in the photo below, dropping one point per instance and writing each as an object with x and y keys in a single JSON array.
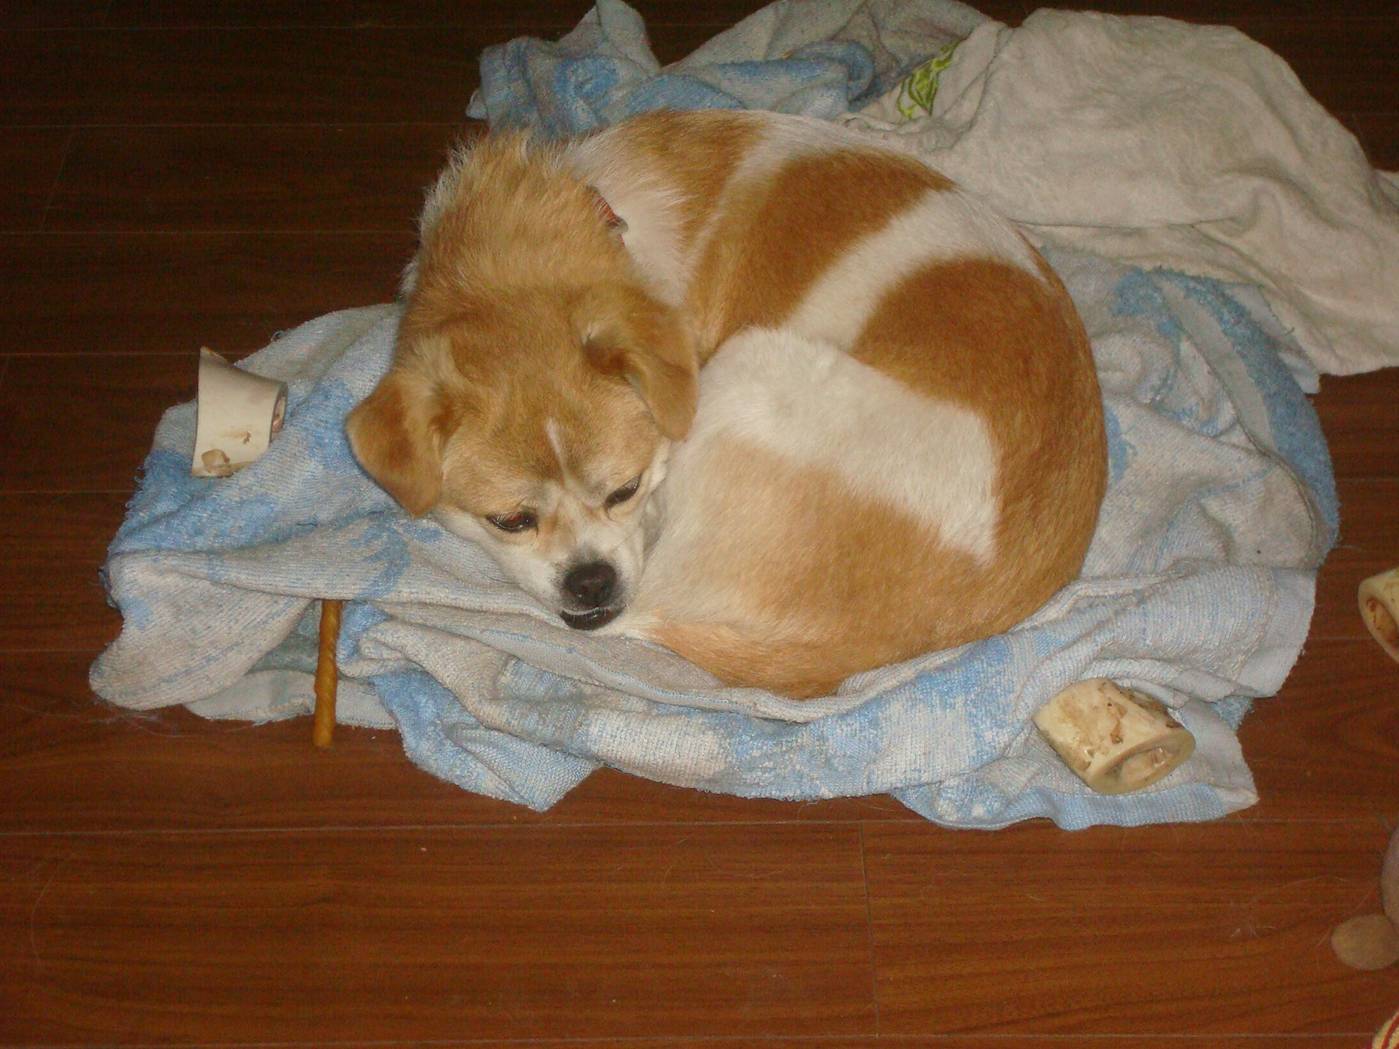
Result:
[
  {"x": 57, "y": 179},
  {"x": 869, "y": 929}
]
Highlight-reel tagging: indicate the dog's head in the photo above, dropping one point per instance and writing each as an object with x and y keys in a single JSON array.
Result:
[{"x": 537, "y": 422}]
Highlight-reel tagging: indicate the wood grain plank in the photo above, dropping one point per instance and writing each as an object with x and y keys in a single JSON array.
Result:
[
  {"x": 1327, "y": 746},
  {"x": 1379, "y": 134},
  {"x": 70, "y": 762},
  {"x": 1196, "y": 930},
  {"x": 30, "y": 161},
  {"x": 1369, "y": 543},
  {"x": 52, "y": 14},
  {"x": 1360, "y": 417},
  {"x": 51, "y": 547},
  {"x": 499, "y": 933},
  {"x": 240, "y": 76},
  {"x": 170, "y": 294},
  {"x": 355, "y": 178},
  {"x": 318, "y": 74},
  {"x": 1357, "y": 69},
  {"x": 37, "y": 65},
  {"x": 83, "y": 423},
  {"x": 555, "y": 14},
  {"x": 937, "y": 1042},
  {"x": 537, "y": 17}
]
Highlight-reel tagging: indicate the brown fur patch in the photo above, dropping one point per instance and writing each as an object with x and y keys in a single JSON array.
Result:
[
  {"x": 394, "y": 437},
  {"x": 996, "y": 339},
  {"x": 508, "y": 217},
  {"x": 776, "y": 238},
  {"x": 693, "y": 154},
  {"x": 519, "y": 366}
]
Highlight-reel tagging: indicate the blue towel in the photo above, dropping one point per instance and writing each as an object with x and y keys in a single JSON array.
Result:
[
  {"x": 820, "y": 58},
  {"x": 1198, "y": 589}
]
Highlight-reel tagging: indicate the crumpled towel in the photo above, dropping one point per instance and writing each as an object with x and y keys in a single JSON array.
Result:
[
  {"x": 1198, "y": 589},
  {"x": 817, "y": 59}
]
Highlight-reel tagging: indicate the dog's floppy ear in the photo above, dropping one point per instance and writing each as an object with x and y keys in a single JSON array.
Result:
[
  {"x": 629, "y": 334},
  {"x": 393, "y": 436}
]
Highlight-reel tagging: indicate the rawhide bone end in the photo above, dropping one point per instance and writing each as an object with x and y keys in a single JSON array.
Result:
[
  {"x": 236, "y": 416},
  {"x": 1114, "y": 739},
  {"x": 1379, "y": 607}
]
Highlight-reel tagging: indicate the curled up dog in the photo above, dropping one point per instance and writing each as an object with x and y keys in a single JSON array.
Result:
[{"x": 744, "y": 385}]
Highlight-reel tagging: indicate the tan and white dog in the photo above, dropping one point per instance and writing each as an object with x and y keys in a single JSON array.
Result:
[{"x": 872, "y": 402}]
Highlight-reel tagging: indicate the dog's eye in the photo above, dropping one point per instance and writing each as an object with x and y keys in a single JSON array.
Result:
[
  {"x": 519, "y": 521},
  {"x": 621, "y": 495}
]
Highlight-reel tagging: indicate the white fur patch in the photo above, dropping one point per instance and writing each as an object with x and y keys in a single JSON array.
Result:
[
  {"x": 943, "y": 225},
  {"x": 648, "y": 209},
  {"x": 555, "y": 439},
  {"x": 815, "y": 406}
]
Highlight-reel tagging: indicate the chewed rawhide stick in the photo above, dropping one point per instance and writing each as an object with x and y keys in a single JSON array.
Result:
[
  {"x": 1114, "y": 739},
  {"x": 327, "y": 673}
]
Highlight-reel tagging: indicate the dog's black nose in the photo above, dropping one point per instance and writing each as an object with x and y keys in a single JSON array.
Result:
[{"x": 592, "y": 584}]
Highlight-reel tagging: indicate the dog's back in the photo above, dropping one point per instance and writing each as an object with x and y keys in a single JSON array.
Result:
[{"x": 899, "y": 444}]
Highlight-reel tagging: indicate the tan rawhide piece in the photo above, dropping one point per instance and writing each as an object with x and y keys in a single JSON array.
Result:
[
  {"x": 1114, "y": 739},
  {"x": 238, "y": 413},
  {"x": 1379, "y": 607}
]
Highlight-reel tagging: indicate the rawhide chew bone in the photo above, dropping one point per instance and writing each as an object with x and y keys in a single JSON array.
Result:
[
  {"x": 1114, "y": 739},
  {"x": 327, "y": 673},
  {"x": 1379, "y": 607},
  {"x": 236, "y": 416}
]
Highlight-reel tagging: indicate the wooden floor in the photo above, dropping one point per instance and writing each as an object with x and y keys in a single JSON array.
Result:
[{"x": 178, "y": 172}]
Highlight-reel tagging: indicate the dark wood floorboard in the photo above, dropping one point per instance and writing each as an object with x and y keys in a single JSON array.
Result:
[
  {"x": 547, "y": 19},
  {"x": 30, "y": 161},
  {"x": 1327, "y": 745},
  {"x": 1369, "y": 543},
  {"x": 1379, "y": 134},
  {"x": 51, "y": 547},
  {"x": 401, "y": 935},
  {"x": 1216, "y": 929},
  {"x": 108, "y": 407},
  {"x": 182, "y": 172},
  {"x": 1360, "y": 415},
  {"x": 170, "y": 293},
  {"x": 239, "y": 75},
  {"x": 53, "y": 14},
  {"x": 309, "y": 179},
  {"x": 73, "y": 764}
]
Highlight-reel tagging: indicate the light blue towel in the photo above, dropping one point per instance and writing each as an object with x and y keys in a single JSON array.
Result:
[
  {"x": 1198, "y": 588},
  {"x": 821, "y": 58}
]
